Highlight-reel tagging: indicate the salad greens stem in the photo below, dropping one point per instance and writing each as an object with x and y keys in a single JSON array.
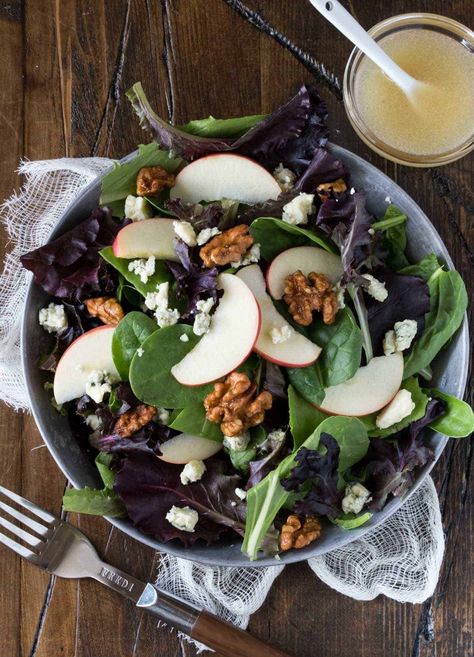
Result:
[
  {"x": 426, "y": 373},
  {"x": 361, "y": 312}
]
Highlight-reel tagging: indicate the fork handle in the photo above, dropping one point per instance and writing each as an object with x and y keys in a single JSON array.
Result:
[{"x": 223, "y": 637}]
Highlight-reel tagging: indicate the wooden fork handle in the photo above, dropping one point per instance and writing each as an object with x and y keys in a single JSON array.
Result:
[{"x": 230, "y": 641}]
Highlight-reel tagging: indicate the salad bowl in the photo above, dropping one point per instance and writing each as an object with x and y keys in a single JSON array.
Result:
[{"x": 450, "y": 370}]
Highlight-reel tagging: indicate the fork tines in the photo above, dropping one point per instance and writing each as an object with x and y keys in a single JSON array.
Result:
[{"x": 41, "y": 529}]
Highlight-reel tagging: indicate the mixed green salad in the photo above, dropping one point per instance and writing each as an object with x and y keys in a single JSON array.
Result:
[{"x": 238, "y": 343}]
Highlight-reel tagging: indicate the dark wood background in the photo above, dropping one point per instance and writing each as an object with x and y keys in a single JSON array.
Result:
[{"x": 64, "y": 68}]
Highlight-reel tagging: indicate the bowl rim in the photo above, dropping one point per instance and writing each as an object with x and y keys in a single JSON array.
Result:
[{"x": 293, "y": 556}]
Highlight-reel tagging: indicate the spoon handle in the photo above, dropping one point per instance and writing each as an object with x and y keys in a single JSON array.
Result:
[{"x": 342, "y": 20}]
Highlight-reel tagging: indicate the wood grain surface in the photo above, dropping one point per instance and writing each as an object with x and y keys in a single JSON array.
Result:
[{"x": 64, "y": 68}]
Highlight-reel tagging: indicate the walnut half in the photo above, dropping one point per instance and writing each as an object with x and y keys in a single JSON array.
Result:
[
  {"x": 133, "y": 420},
  {"x": 152, "y": 180},
  {"x": 305, "y": 294},
  {"x": 107, "y": 309},
  {"x": 295, "y": 534},
  {"x": 227, "y": 247},
  {"x": 234, "y": 406},
  {"x": 327, "y": 189}
]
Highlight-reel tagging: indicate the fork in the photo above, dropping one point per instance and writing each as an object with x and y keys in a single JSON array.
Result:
[{"x": 59, "y": 548}]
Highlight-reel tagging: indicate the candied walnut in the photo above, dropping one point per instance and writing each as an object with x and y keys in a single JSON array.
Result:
[
  {"x": 133, "y": 420},
  {"x": 152, "y": 180},
  {"x": 227, "y": 247},
  {"x": 305, "y": 294},
  {"x": 325, "y": 190},
  {"x": 107, "y": 309},
  {"x": 234, "y": 405},
  {"x": 295, "y": 534}
]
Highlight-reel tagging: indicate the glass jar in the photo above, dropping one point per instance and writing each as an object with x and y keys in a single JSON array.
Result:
[{"x": 424, "y": 21}]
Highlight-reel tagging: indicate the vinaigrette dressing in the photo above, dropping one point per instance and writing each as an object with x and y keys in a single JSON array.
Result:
[{"x": 443, "y": 116}]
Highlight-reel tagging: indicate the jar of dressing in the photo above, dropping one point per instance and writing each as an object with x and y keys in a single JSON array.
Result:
[{"x": 439, "y": 126}]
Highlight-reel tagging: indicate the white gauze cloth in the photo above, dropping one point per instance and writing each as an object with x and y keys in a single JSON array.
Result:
[{"x": 400, "y": 559}]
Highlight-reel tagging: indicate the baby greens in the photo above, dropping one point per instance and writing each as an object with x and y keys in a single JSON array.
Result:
[
  {"x": 458, "y": 418},
  {"x": 150, "y": 373},
  {"x": 129, "y": 335},
  {"x": 192, "y": 419},
  {"x": 161, "y": 274},
  {"x": 275, "y": 236}
]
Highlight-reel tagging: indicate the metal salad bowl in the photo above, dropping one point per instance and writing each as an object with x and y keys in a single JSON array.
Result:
[{"x": 450, "y": 371}]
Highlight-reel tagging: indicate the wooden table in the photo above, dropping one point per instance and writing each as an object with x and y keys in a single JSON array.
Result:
[{"x": 65, "y": 65}]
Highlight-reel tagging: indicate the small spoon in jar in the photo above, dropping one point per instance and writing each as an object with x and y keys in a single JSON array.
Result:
[{"x": 342, "y": 20}]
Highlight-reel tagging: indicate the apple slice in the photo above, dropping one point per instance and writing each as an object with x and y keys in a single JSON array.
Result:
[
  {"x": 231, "y": 337},
  {"x": 371, "y": 388},
  {"x": 296, "y": 351},
  {"x": 305, "y": 259},
  {"x": 90, "y": 351},
  {"x": 186, "y": 447},
  {"x": 225, "y": 175},
  {"x": 142, "y": 239}
]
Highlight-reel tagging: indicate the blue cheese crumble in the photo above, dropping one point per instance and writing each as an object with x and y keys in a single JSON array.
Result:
[
  {"x": 158, "y": 302},
  {"x": 206, "y": 234},
  {"x": 399, "y": 408},
  {"x": 253, "y": 255},
  {"x": 376, "y": 288},
  {"x": 185, "y": 232},
  {"x": 183, "y": 518},
  {"x": 284, "y": 177},
  {"x": 98, "y": 384},
  {"x": 237, "y": 443},
  {"x": 192, "y": 472},
  {"x": 202, "y": 321},
  {"x": 144, "y": 269},
  {"x": 53, "y": 318},
  {"x": 280, "y": 334},
  {"x": 296, "y": 211},
  {"x": 400, "y": 337},
  {"x": 137, "y": 208},
  {"x": 355, "y": 498}
]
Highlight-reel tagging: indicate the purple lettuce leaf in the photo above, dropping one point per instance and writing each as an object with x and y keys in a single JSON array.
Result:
[
  {"x": 149, "y": 488},
  {"x": 390, "y": 464},
  {"x": 324, "y": 167},
  {"x": 198, "y": 215},
  {"x": 275, "y": 452},
  {"x": 193, "y": 281},
  {"x": 147, "y": 440},
  {"x": 347, "y": 222},
  {"x": 323, "y": 498},
  {"x": 268, "y": 136},
  {"x": 408, "y": 298},
  {"x": 70, "y": 265},
  {"x": 272, "y": 208},
  {"x": 274, "y": 380}
]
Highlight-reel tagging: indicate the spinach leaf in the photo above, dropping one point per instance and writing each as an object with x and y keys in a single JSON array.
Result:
[
  {"x": 94, "y": 502},
  {"x": 341, "y": 344},
  {"x": 150, "y": 374},
  {"x": 161, "y": 274},
  {"x": 448, "y": 301},
  {"x": 129, "y": 335},
  {"x": 304, "y": 418},
  {"x": 424, "y": 269},
  {"x": 241, "y": 460},
  {"x": 192, "y": 419},
  {"x": 420, "y": 399},
  {"x": 265, "y": 500},
  {"x": 308, "y": 382},
  {"x": 458, "y": 418},
  {"x": 394, "y": 238},
  {"x": 211, "y": 127},
  {"x": 122, "y": 179},
  {"x": 275, "y": 236}
]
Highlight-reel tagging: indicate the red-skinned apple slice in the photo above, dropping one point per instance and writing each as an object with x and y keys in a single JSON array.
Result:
[
  {"x": 371, "y": 388},
  {"x": 296, "y": 351},
  {"x": 90, "y": 351},
  {"x": 185, "y": 447},
  {"x": 231, "y": 337},
  {"x": 142, "y": 239},
  {"x": 225, "y": 175},
  {"x": 305, "y": 259}
]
